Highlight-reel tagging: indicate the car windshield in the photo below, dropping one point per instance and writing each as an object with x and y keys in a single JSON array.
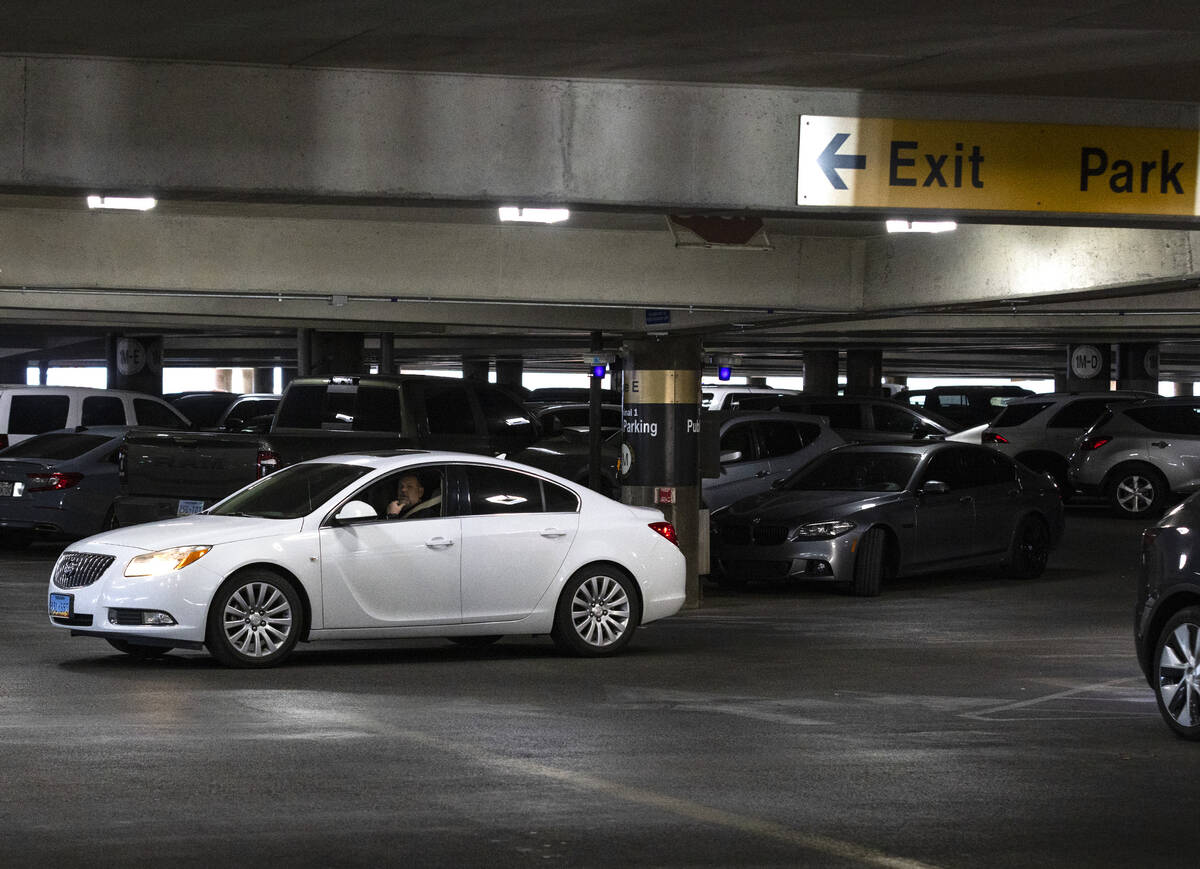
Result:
[
  {"x": 856, "y": 471},
  {"x": 291, "y": 492}
]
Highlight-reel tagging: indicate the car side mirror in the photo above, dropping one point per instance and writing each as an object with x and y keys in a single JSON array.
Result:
[
  {"x": 354, "y": 510},
  {"x": 731, "y": 456},
  {"x": 934, "y": 487}
]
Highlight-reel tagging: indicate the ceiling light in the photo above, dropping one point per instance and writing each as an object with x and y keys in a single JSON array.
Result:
[
  {"x": 534, "y": 215},
  {"x": 122, "y": 203},
  {"x": 921, "y": 225}
]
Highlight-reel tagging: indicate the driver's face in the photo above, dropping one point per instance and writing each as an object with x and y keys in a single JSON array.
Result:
[{"x": 411, "y": 490}]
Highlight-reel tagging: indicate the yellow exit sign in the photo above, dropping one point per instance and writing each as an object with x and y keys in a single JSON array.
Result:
[{"x": 979, "y": 166}]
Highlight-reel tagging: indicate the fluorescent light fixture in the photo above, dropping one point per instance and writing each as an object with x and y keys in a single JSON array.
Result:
[
  {"x": 122, "y": 203},
  {"x": 534, "y": 215},
  {"x": 921, "y": 226}
]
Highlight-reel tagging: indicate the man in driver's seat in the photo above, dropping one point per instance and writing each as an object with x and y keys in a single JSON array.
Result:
[{"x": 411, "y": 500}]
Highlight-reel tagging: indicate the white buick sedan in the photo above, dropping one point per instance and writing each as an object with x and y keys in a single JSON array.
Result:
[{"x": 374, "y": 546}]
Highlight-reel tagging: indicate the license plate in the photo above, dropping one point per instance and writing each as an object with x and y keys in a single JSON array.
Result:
[
  {"x": 6, "y": 488},
  {"x": 61, "y": 605},
  {"x": 187, "y": 508}
]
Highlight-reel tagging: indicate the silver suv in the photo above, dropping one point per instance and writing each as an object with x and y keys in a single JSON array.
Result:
[
  {"x": 1136, "y": 455},
  {"x": 1040, "y": 431}
]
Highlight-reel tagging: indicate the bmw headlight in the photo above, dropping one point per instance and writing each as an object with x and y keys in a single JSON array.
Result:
[
  {"x": 822, "y": 530},
  {"x": 165, "y": 560}
]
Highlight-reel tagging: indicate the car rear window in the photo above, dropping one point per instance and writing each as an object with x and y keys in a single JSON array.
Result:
[
  {"x": 58, "y": 446},
  {"x": 34, "y": 414},
  {"x": 1080, "y": 413},
  {"x": 1018, "y": 414},
  {"x": 1169, "y": 419}
]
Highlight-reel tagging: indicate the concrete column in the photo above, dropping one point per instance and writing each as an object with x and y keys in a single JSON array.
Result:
[
  {"x": 1088, "y": 369},
  {"x": 264, "y": 380},
  {"x": 287, "y": 375},
  {"x": 303, "y": 352},
  {"x": 820, "y": 372},
  {"x": 387, "y": 352},
  {"x": 337, "y": 353},
  {"x": 864, "y": 371},
  {"x": 1183, "y": 389},
  {"x": 1137, "y": 366},
  {"x": 43, "y": 372},
  {"x": 660, "y": 452},
  {"x": 475, "y": 368},
  {"x": 509, "y": 372},
  {"x": 12, "y": 370},
  {"x": 135, "y": 362},
  {"x": 224, "y": 379}
]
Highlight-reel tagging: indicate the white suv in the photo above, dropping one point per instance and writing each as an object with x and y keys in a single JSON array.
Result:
[
  {"x": 29, "y": 410},
  {"x": 1040, "y": 431},
  {"x": 722, "y": 397}
]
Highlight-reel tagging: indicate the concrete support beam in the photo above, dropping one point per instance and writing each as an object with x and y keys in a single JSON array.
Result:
[{"x": 821, "y": 372}]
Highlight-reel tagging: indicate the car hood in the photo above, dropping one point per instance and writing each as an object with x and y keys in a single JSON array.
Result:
[
  {"x": 200, "y": 529},
  {"x": 807, "y": 505}
]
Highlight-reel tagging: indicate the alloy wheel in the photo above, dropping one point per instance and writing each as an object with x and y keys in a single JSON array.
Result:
[
  {"x": 257, "y": 619},
  {"x": 600, "y": 611},
  {"x": 1179, "y": 675}
]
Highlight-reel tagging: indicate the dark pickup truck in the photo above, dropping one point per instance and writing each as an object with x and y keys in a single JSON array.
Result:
[{"x": 175, "y": 473}]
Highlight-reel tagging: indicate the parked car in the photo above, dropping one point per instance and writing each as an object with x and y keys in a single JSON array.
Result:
[
  {"x": 202, "y": 407},
  {"x": 860, "y": 418},
  {"x": 241, "y": 578},
  {"x": 1137, "y": 455},
  {"x": 724, "y": 397},
  {"x": 29, "y": 410},
  {"x": 59, "y": 485},
  {"x": 964, "y": 405},
  {"x": 1040, "y": 431},
  {"x": 251, "y": 412},
  {"x": 1167, "y": 616},
  {"x": 863, "y": 513},
  {"x": 553, "y": 418}
]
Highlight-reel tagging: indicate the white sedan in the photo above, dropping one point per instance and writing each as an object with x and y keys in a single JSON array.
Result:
[{"x": 310, "y": 553}]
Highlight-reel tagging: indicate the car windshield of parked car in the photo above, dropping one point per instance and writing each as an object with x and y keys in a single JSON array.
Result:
[
  {"x": 290, "y": 493},
  {"x": 56, "y": 445},
  {"x": 858, "y": 471}
]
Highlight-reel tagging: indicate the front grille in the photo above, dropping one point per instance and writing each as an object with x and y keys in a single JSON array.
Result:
[
  {"x": 78, "y": 569},
  {"x": 759, "y": 535}
]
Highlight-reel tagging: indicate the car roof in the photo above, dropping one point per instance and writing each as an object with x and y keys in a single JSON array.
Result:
[{"x": 1063, "y": 396}]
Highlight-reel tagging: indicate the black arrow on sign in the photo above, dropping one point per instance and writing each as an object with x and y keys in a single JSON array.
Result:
[{"x": 830, "y": 161}]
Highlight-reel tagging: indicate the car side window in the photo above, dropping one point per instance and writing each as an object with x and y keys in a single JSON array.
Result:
[
  {"x": 504, "y": 415},
  {"x": 780, "y": 437},
  {"x": 155, "y": 414},
  {"x": 377, "y": 408},
  {"x": 102, "y": 410},
  {"x": 1168, "y": 419},
  {"x": 986, "y": 468},
  {"x": 739, "y": 438},
  {"x": 424, "y": 500},
  {"x": 1079, "y": 414},
  {"x": 34, "y": 414},
  {"x": 558, "y": 499},
  {"x": 448, "y": 409},
  {"x": 499, "y": 491},
  {"x": 946, "y": 467}
]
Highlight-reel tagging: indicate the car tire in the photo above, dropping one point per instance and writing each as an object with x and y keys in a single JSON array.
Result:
[
  {"x": 868, "y": 564},
  {"x": 597, "y": 612},
  {"x": 1176, "y": 673},
  {"x": 1030, "y": 549},
  {"x": 1136, "y": 491},
  {"x": 138, "y": 650},
  {"x": 254, "y": 620}
]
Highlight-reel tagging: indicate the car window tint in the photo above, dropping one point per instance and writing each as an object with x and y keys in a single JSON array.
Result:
[
  {"x": 102, "y": 410},
  {"x": 1079, "y": 414},
  {"x": 893, "y": 419},
  {"x": 739, "y": 438},
  {"x": 382, "y": 492},
  {"x": 504, "y": 415},
  {"x": 499, "y": 490},
  {"x": 34, "y": 414},
  {"x": 945, "y": 466},
  {"x": 152, "y": 413},
  {"x": 59, "y": 445},
  {"x": 558, "y": 499},
  {"x": 985, "y": 468},
  {"x": 377, "y": 408},
  {"x": 291, "y": 492},
  {"x": 1168, "y": 419},
  {"x": 1018, "y": 414},
  {"x": 780, "y": 437},
  {"x": 303, "y": 408},
  {"x": 448, "y": 409}
]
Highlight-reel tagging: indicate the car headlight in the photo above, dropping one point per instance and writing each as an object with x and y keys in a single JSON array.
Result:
[
  {"x": 822, "y": 530},
  {"x": 165, "y": 560}
]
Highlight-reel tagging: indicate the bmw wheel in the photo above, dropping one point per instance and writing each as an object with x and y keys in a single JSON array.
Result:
[
  {"x": 597, "y": 612},
  {"x": 254, "y": 620},
  {"x": 1177, "y": 673}
]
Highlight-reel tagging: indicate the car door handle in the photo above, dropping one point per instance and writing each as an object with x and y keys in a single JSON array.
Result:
[
  {"x": 1159, "y": 444},
  {"x": 438, "y": 542},
  {"x": 553, "y": 532}
]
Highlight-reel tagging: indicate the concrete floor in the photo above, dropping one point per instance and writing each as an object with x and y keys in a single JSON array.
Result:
[{"x": 956, "y": 721}]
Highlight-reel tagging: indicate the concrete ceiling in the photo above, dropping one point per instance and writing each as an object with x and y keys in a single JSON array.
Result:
[{"x": 1079, "y": 49}]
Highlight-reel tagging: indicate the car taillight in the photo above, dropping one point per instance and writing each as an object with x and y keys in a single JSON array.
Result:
[
  {"x": 48, "y": 481},
  {"x": 991, "y": 437},
  {"x": 667, "y": 530},
  {"x": 1093, "y": 442},
  {"x": 266, "y": 462}
]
